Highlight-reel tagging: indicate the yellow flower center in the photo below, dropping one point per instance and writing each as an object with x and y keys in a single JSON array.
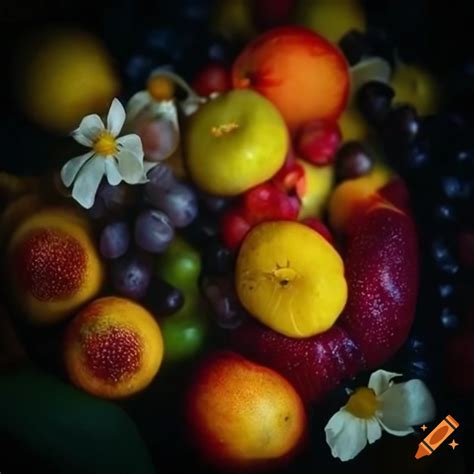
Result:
[
  {"x": 161, "y": 88},
  {"x": 105, "y": 144},
  {"x": 363, "y": 403}
]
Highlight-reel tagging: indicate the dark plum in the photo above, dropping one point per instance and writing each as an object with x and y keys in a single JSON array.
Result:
[
  {"x": 162, "y": 298},
  {"x": 352, "y": 161},
  {"x": 374, "y": 99}
]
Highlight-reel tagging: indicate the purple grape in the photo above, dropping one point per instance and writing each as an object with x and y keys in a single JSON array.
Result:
[
  {"x": 221, "y": 295},
  {"x": 161, "y": 177},
  {"x": 114, "y": 240},
  {"x": 116, "y": 198},
  {"x": 162, "y": 298},
  {"x": 179, "y": 203},
  {"x": 131, "y": 274},
  {"x": 153, "y": 231}
]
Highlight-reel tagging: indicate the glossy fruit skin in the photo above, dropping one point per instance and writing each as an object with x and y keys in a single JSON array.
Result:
[
  {"x": 314, "y": 189},
  {"x": 374, "y": 100},
  {"x": 212, "y": 78},
  {"x": 318, "y": 72},
  {"x": 234, "y": 142},
  {"x": 130, "y": 275},
  {"x": 296, "y": 293},
  {"x": 223, "y": 412},
  {"x": 112, "y": 315},
  {"x": 315, "y": 365},
  {"x": 351, "y": 198},
  {"x": 370, "y": 329},
  {"x": 180, "y": 265},
  {"x": 162, "y": 298},
  {"x": 378, "y": 315},
  {"x": 318, "y": 141},
  {"x": 352, "y": 161},
  {"x": 185, "y": 331}
]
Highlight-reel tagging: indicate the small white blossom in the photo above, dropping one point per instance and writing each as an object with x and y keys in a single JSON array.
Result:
[
  {"x": 116, "y": 158},
  {"x": 383, "y": 406}
]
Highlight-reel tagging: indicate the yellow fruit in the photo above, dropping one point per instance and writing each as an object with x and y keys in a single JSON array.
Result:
[
  {"x": 113, "y": 348},
  {"x": 65, "y": 75},
  {"x": 233, "y": 19},
  {"x": 353, "y": 125},
  {"x": 318, "y": 186},
  {"x": 290, "y": 278},
  {"x": 53, "y": 264},
  {"x": 415, "y": 86},
  {"x": 352, "y": 196},
  {"x": 235, "y": 142},
  {"x": 331, "y": 18}
]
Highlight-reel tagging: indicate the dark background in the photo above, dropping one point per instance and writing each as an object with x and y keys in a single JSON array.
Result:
[{"x": 436, "y": 34}]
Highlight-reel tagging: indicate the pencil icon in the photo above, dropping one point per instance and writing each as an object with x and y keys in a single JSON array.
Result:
[{"x": 436, "y": 437}]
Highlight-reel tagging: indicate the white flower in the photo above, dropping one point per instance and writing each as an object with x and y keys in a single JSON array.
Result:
[
  {"x": 153, "y": 113},
  {"x": 383, "y": 405},
  {"x": 116, "y": 158}
]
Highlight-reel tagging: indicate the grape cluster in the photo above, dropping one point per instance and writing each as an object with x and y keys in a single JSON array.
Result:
[
  {"x": 435, "y": 156},
  {"x": 139, "y": 223}
]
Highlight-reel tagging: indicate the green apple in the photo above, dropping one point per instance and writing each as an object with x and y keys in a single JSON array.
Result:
[{"x": 235, "y": 142}]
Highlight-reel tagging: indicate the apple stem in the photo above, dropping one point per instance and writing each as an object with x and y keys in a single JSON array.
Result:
[{"x": 224, "y": 129}]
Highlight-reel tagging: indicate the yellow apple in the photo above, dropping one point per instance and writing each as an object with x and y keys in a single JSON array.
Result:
[{"x": 235, "y": 142}]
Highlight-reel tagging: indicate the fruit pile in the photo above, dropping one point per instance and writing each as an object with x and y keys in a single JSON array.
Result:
[{"x": 261, "y": 254}]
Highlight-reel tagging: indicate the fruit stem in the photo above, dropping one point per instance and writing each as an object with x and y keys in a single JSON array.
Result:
[{"x": 224, "y": 129}]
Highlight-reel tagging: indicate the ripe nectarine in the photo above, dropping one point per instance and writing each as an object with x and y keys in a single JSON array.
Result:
[
  {"x": 301, "y": 72},
  {"x": 242, "y": 415}
]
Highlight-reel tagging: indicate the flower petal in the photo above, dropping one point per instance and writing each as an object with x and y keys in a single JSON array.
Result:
[
  {"x": 116, "y": 117},
  {"x": 406, "y": 404},
  {"x": 346, "y": 435},
  {"x": 380, "y": 380},
  {"x": 393, "y": 432},
  {"x": 131, "y": 167},
  {"x": 71, "y": 168},
  {"x": 90, "y": 127},
  {"x": 87, "y": 182},
  {"x": 112, "y": 172},
  {"x": 374, "y": 430},
  {"x": 137, "y": 103},
  {"x": 132, "y": 143},
  {"x": 148, "y": 165}
]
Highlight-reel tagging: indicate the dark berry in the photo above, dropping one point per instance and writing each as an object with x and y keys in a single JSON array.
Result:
[
  {"x": 401, "y": 126},
  {"x": 449, "y": 319},
  {"x": 374, "y": 100},
  {"x": 162, "y": 298},
  {"x": 444, "y": 214},
  {"x": 352, "y": 161},
  {"x": 445, "y": 290},
  {"x": 443, "y": 256},
  {"x": 217, "y": 259},
  {"x": 215, "y": 204},
  {"x": 416, "y": 157},
  {"x": 202, "y": 229},
  {"x": 355, "y": 45}
]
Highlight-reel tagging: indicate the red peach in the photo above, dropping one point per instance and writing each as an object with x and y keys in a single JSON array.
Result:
[{"x": 302, "y": 73}]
